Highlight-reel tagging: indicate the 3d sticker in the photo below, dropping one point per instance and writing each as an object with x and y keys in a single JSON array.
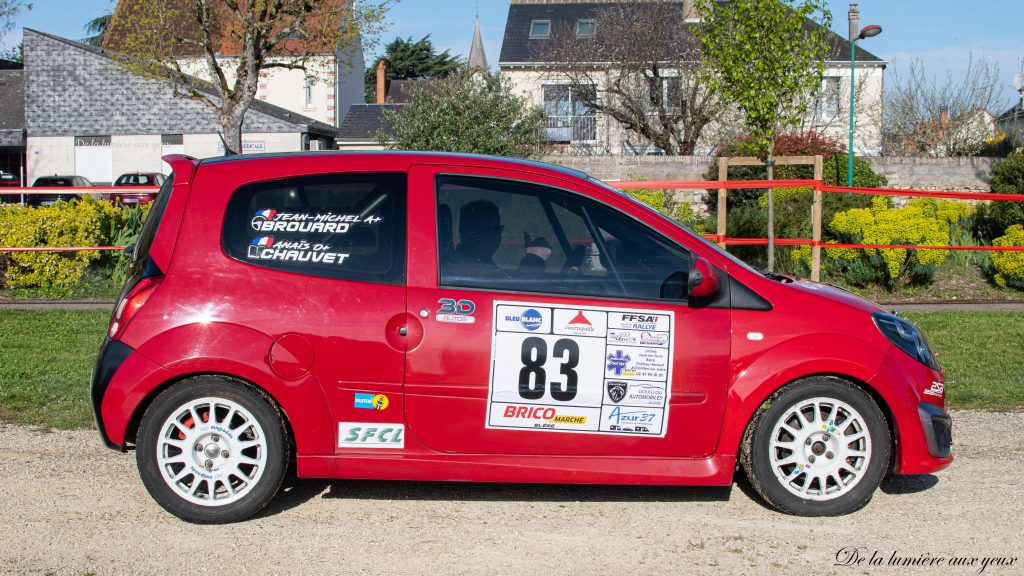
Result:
[
  {"x": 456, "y": 311},
  {"x": 371, "y": 401}
]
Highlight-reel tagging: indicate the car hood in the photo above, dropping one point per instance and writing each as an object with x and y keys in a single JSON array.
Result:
[{"x": 836, "y": 294}]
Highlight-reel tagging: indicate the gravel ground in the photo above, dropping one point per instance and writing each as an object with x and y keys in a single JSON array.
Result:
[{"x": 70, "y": 506}]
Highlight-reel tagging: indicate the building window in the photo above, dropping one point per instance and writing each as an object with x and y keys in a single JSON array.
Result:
[
  {"x": 586, "y": 28},
  {"x": 540, "y": 28},
  {"x": 666, "y": 92},
  {"x": 826, "y": 105},
  {"x": 309, "y": 91},
  {"x": 569, "y": 119}
]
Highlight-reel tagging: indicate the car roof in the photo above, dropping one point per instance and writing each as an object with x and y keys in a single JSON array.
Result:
[{"x": 413, "y": 158}]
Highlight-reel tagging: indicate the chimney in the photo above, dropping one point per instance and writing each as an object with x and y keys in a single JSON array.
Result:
[
  {"x": 381, "y": 90},
  {"x": 854, "y": 17},
  {"x": 944, "y": 116}
]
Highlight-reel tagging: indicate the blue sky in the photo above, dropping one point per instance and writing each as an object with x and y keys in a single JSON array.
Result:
[{"x": 943, "y": 33}]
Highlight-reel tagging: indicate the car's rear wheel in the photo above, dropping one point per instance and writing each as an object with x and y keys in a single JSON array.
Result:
[
  {"x": 212, "y": 450},
  {"x": 818, "y": 447}
]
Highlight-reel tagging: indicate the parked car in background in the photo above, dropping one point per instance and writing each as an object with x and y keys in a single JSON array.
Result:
[
  {"x": 8, "y": 180},
  {"x": 57, "y": 182},
  {"x": 420, "y": 316},
  {"x": 137, "y": 179}
]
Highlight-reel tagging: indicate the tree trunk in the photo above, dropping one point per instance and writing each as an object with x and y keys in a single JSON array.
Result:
[
  {"x": 231, "y": 129},
  {"x": 771, "y": 217}
]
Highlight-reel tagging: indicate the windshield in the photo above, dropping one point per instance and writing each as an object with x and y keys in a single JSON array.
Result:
[{"x": 694, "y": 235}]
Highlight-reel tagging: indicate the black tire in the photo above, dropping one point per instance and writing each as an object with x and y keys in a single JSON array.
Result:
[
  {"x": 857, "y": 488},
  {"x": 257, "y": 484}
]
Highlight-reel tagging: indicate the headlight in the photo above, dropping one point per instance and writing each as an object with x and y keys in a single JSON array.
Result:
[{"x": 906, "y": 337}]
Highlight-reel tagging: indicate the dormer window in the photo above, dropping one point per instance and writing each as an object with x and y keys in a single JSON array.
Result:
[
  {"x": 540, "y": 28},
  {"x": 586, "y": 28}
]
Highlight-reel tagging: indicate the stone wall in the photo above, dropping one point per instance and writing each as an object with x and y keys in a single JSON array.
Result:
[{"x": 912, "y": 173}]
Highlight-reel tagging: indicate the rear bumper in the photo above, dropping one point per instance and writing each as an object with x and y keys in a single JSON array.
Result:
[{"x": 112, "y": 355}]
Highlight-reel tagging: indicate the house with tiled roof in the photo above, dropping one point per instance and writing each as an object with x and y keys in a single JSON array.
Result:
[
  {"x": 576, "y": 129},
  {"x": 331, "y": 82},
  {"x": 85, "y": 115}
]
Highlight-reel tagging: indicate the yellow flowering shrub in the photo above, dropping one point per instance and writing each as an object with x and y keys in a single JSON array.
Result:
[
  {"x": 1009, "y": 265},
  {"x": 922, "y": 222},
  {"x": 85, "y": 222}
]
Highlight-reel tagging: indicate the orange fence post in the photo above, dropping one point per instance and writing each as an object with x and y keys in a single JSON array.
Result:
[
  {"x": 723, "y": 174},
  {"x": 816, "y": 223}
]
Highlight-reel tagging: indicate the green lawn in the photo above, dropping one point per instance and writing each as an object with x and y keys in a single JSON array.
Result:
[
  {"x": 46, "y": 359},
  {"x": 981, "y": 353}
]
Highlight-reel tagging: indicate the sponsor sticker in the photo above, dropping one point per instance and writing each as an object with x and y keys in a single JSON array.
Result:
[
  {"x": 370, "y": 435},
  {"x": 580, "y": 322},
  {"x": 632, "y": 419},
  {"x": 640, "y": 320},
  {"x": 371, "y": 401},
  {"x": 523, "y": 319},
  {"x": 589, "y": 369},
  {"x": 650, "y": 394},
  {"x": 937, "y": 389},
  {"x": 629, "y": 362}
]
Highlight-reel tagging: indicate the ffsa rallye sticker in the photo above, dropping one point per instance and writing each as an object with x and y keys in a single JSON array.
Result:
[{"x": 587, "y": 369}]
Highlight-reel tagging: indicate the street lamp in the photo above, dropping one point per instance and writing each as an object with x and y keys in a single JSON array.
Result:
[{"x": 865, "y": 32}]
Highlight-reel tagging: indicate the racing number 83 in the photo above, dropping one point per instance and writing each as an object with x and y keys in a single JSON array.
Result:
[{"x": 532, "y": 377}]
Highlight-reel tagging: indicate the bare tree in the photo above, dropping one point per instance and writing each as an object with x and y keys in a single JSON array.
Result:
[
  {"x": 160, "y": 38},
  {"x": 927, "y": 116},
  {"x": 8, "y": 12},
  {"x": 637, "y": 66}
]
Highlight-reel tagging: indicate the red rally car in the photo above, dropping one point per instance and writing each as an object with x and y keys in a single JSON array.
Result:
[{"x": 423, "y": 316}]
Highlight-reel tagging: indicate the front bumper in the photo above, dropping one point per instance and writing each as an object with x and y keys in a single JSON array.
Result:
[
  {"x": 922, "y": 428},
  {"x": 938, "y": 429}
]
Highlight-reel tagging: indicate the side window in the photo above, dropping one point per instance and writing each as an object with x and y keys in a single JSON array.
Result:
[
  {"x": 509, "y": 235},
  {"x": 345, "y": 226}
]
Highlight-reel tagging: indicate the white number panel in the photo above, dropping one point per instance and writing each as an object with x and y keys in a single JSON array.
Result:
[{"x": 586, "y": 369}]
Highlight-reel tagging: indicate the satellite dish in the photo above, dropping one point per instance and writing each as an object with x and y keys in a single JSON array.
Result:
[{"x": 1018, "y": 82}]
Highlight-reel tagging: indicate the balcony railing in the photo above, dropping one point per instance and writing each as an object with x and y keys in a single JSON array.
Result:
[{"x": 571, "y": 128}]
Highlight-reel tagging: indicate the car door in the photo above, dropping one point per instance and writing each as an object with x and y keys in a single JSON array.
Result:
[
  {"x": 544, "y": 326},
  {"x": 335, "y": 251}
]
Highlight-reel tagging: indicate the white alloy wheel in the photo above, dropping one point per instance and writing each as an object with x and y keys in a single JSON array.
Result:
[
  {"x": 820, "y": 448},
  {"x": 212, "y": 451}
]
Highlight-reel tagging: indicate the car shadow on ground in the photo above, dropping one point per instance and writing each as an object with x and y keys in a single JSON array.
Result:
[
  {"x": 297, "y": 491},
  {"x": 897, "y": 485}
]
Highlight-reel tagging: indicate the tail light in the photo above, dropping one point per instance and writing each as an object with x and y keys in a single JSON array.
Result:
[{"x": 130, "y": 305}]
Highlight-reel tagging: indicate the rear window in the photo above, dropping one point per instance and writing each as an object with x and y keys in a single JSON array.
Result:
[
  {"x": 135, "y": 180},
  {"x": 345, "y": 226},
  {"x": 49, "y": 181}
]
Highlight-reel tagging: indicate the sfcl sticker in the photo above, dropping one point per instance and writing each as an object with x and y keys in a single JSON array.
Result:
[{"x": 587, "y": 369}]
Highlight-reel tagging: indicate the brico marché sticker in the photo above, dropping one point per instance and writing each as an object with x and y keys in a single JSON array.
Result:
[{"x": 580, "y": 369}]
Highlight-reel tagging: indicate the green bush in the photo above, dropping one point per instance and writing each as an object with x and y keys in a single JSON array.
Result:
[
  {"x": 664, "y": 201},
  {"x": 85, "y": 222},
  {"x": 1009, "y": 266},
  {"x": 996, "y": 217},
  {"x": 922, "y": 222}
]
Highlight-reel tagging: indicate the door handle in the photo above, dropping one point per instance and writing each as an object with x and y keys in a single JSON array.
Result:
[{"x": 404, "y": 330}]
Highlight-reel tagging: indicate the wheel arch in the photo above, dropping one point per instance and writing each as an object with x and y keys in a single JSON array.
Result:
[
  {"x": 132, "y": 429},
  {"x": 867, "y": 388}
]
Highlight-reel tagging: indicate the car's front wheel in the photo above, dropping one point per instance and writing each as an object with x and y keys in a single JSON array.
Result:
[
  {"x": 818, "y": 447},
  {"x": 212, "y": 450}
]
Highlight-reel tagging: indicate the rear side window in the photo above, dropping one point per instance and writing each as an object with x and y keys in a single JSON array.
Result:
[
  {"x": 345, "y": 226},
  {"x": 149, "y": 228}
]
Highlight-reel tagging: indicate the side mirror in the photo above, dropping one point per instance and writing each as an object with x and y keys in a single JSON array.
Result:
[
  {"x": 703, "y": 280},
  {"x": 128, "y": 251}
]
